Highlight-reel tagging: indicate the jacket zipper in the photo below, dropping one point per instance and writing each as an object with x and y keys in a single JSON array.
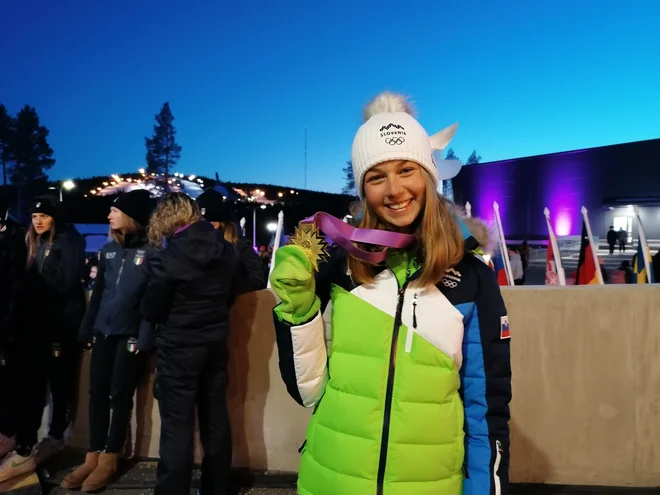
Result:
[
  {"x": 121, "y": 268},
  {"x": 411, "y": 331},
  {"x": 496, "y": 468},
  {"x": 390, "y": 388}
]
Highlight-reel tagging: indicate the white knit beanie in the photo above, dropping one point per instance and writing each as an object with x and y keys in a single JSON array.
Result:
[{"x": 390, "y": 132}]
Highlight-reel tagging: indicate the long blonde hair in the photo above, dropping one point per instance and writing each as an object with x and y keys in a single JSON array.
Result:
[
  {"x": 174, "y": 211},
  {"x": 32, "y": 243},
  {"x": 438, "y": 237},
  {"x": 131, "y": 226},
  {"x": 230, "y": 232}
]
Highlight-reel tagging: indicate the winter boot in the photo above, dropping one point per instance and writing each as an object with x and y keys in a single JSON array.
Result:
[
  {"x": 103, "y": 474},
  {"x": 75, "y": 479}
]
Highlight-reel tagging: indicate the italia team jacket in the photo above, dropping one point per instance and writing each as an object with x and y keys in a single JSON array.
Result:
[{"x": 411, "y": 387}]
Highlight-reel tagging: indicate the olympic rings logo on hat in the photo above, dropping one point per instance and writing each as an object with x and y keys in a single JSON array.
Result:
[{"x": 392, "y": 141}]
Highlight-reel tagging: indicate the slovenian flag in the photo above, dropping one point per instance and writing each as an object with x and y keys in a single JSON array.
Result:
[{"x": 497, "y": 264}]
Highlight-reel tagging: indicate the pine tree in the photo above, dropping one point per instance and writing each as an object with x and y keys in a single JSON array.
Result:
[
  {"x": 349, "y": 188},
  {"x": 31, "y": 153},
  {"x": 447, "y": 185},
  {"x": 473, "y": 159},
  {"x": 7, "y": 125},
  {"x": 451, "y": 155},
  {"x": 163, "y": 151}
]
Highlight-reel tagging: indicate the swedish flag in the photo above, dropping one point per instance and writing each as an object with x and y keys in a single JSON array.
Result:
[{"x": 639, "y": 269}]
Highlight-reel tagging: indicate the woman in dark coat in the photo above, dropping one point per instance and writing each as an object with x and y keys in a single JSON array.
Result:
[
  {"x": 45, "y": 353},
  {"x": 187, "y": 298},
  {"x": 249, "y": 275},
  {"x": 118, "y": 336}
]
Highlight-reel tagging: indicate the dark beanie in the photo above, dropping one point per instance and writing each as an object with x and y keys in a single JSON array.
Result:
[
  {"x": 212, "y": 205},
  {"x": 136, "y": 204},
  {"x": 48, "y": 205}
]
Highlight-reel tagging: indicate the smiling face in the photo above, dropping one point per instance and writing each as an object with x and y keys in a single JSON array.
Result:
[
  {"x": 42, "y": 222},
  {"x": 396, "y": 192}
]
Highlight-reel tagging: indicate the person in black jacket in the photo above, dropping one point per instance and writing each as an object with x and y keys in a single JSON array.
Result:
[
  {"x": 13, "y": 254},
  {"x": 118, "y": 335},
  {"x": 249, "y": 275},
  {"x": 187, "y": 297},
  {"x": 50, "y": 305}
]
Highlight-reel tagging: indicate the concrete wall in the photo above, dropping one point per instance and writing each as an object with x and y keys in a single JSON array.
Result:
[{"x": 586, "y": 388}]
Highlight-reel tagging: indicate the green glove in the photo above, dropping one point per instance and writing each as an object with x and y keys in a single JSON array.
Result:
[{"x": 293, "y": 281}]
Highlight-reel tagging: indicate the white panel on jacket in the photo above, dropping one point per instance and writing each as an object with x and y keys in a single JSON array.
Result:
[
  {"x": 438, "y": 321},
  {"x": 327, "y": 326},
  {"x": 310, "y": 360}
]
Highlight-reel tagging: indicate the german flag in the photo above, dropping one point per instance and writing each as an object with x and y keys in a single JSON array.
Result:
[{"x": 586, "y": 269}]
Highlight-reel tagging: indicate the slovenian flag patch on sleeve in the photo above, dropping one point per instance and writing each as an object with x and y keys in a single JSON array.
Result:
[{"x": 505, "y": 333}]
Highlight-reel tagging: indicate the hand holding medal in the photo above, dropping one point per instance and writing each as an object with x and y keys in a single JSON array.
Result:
[{"x": 309, "y": 239}]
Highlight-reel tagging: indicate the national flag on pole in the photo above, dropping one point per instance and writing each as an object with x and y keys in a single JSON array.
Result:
[
  {"x": 554, "y": 272},
  {"x": 507, "y": 278},
  {"x": 551, "y": 274},
  {"x": 497, "y": 264},
  {"x": 643, "y": 265},
  {"x": 587, "y": 271},
  {"x": 640, "y": 274}
]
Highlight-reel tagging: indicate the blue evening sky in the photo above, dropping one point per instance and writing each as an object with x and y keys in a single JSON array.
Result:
[{"x": 245, "y": 78}]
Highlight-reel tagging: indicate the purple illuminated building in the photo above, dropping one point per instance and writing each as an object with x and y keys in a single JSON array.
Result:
[{"x": 607, "y": 180}]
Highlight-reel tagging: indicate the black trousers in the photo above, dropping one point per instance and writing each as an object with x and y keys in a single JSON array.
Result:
[
  {"x": 34, "y": 367},
  {"x": 114, "y": 373},
  {"x": 185, "y": 377},
  {"x": 7, "y": 413}
]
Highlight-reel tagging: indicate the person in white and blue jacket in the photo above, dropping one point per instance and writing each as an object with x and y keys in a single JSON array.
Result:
[{"x": 114, "y": 329}]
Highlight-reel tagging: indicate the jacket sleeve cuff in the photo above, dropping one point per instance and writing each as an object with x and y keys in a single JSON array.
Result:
[{"x": 303, "y": 360}]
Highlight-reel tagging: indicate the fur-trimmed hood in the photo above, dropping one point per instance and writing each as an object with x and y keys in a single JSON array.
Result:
[{"x": 484, "y": 234}]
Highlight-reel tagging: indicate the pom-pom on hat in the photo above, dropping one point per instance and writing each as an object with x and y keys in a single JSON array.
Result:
[{"x": 391, "y": 132}]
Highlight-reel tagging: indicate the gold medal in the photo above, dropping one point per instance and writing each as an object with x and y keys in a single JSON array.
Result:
[{"x": 309, "y": 239}]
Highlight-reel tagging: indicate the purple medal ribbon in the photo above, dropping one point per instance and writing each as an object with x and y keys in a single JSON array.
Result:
[{"x": 345, "y": 235}]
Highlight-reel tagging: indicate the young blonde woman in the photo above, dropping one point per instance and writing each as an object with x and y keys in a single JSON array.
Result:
[
  {"x": 406, "y": 362},
  {"x": 45, "y": 354},
  {"x": 187, "y": 297},
  {"x": 118, "y": 336}
]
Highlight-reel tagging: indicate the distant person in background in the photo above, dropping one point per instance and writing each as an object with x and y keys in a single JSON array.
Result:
[
  {"x": 516, "y": 266},
  {"x": 623, "y": 239},
  {"x": 525, "y": 254},
  {"x": 90, "y": 279},
  {"x": 612, "y": 238},
  {"x": 249, "y": 276},
  {"x": 623, "y": 274},
  {"x": 45, "y": 352},
  {"x": 13, "y": 254},
  {"x": 603, "y": 271},
  {"x": 113, "y": 328}
]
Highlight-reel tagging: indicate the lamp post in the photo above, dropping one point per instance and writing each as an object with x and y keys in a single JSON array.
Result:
[
  {"x": 65, "y": 185},
  {"x": 254, "y": 225}
]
